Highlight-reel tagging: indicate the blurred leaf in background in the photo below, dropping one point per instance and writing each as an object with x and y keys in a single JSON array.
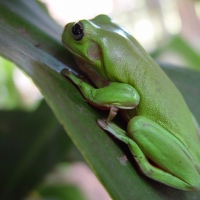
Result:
[
  {"x": 31, "y": 144},
  {"x": 60, "y": 192},
  {"x": 9, "y": 96},
  {"x": 178, "y": 47}
]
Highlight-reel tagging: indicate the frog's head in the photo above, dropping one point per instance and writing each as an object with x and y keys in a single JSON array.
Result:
[{"x": 96, "y": 42}]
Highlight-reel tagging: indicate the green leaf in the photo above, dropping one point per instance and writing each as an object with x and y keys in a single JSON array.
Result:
[
  {"x": 31, "y": 144},
  {"x": 31, "y": 40}
]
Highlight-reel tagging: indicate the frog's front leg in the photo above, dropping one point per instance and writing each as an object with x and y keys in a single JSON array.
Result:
[
  {"x": 160, "y": 155},
  {"x": 113, "y": 96}
]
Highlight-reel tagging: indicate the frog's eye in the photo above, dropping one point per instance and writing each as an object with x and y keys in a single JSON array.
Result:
[{"x": 77, "y": 31}]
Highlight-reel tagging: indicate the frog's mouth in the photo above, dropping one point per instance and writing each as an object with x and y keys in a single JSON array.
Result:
[{"x": 72, "y": 51}]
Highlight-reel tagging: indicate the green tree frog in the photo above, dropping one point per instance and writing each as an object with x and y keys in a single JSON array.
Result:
[{"x": 162, "y": 134}]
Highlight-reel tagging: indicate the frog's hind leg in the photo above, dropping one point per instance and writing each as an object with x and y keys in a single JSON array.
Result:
[{"x": 146, "y": 139}]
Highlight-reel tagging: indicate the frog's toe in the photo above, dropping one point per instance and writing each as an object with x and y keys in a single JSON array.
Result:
[
  {"x": 65, "y": 72},
  {"x": 102, "y": 123}
]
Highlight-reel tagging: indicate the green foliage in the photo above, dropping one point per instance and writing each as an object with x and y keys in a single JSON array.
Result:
[
  {"x": 60, "y": 192},
  {"x": 31, "y": 143},
  {"x": 9, "y": 97},
  {"x": 180, "y": 47}
]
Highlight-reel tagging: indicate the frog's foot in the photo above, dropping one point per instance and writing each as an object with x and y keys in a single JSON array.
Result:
[
  {"x": 65, "y": 72},
  {"x": 69, "y": 74},
  {"x": 112, "y": 113},
  {"x": 102, "y": 123},
  {"x": 114, "y": 130}
]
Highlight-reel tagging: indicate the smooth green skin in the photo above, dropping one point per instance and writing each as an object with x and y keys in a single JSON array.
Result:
[{"x": 162, "y": 134}]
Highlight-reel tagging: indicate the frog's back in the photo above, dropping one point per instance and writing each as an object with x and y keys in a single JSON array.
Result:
[{"x": 162, "y": 102}]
